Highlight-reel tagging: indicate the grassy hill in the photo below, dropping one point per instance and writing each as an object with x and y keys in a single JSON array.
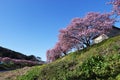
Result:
[{"x": 98, "y": 62}]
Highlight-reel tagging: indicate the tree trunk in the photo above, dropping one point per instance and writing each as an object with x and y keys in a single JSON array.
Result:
[{"x": 65, "y": 53}]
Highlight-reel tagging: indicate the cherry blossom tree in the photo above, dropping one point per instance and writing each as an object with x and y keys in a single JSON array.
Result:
[
  {"x": 49, "y": 56},
  {"x": 81, "y": 31},
  {"x": 53, "y": 54},
  {"x": 67, "y": 40},
  {"x": 59, "y": 48},
  {"x": 116, "y": 6}
]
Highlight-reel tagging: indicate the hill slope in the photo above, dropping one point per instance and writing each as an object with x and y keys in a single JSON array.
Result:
[
  {"x": 98, "y": 62},
  {"x": 4, "y": 52}
]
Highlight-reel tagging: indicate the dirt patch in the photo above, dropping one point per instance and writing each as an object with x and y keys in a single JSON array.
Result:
[{"x": 11, "y": 75}]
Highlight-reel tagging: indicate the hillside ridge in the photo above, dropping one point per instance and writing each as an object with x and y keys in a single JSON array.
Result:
[{"x": 5, "y": 52}]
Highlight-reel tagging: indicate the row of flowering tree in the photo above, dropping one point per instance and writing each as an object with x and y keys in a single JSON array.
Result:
[
  {"x": 80, "y": 32},
  {"x": 8, "y": 60}
]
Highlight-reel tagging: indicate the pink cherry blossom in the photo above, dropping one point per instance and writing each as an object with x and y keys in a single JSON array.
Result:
[{"x": 116, "y": 6}]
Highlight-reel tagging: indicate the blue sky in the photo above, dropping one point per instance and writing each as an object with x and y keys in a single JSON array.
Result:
[{"x": 32, "y": 26}]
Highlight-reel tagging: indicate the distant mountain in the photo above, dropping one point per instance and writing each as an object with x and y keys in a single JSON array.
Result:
[{"x": 4, "y": 52}]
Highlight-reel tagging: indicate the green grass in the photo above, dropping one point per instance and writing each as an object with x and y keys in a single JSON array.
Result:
[{"x": 98, "y": 62}]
